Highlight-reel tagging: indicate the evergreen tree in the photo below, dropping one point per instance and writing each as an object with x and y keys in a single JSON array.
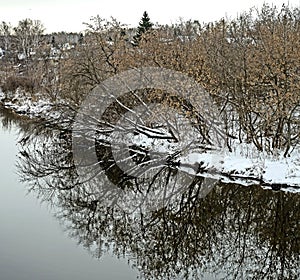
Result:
[
  {"x": 81, "y": 39},
  {"x": 144, "y": 25},
  {"x": 53, "y": 41}
]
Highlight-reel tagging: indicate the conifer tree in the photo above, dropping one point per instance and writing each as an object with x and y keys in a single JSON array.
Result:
[{"x": 144, "y": 25}]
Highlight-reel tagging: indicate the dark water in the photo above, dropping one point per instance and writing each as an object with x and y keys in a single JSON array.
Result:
[{"x": 165, "y": 227}]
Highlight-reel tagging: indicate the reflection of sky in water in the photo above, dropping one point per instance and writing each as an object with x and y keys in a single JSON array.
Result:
[{"x": 32, "y": 244}]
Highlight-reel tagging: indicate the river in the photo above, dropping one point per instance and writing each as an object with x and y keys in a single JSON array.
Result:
[
  {"x": 53, "y": 228},
  {"x": 32, "y": 243}
]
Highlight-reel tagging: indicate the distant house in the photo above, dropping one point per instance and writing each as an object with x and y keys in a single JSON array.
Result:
[{"x": 63, "y": 38}]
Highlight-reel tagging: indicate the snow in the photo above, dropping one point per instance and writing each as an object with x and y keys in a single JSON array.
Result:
[
  {"x": 245, "y": 170},
  {"x": 276, "y": 171},
  {"x": 25, "y": 106},
  {"x": 244, "y": 165},
  {"x": 21, "y": 56}
]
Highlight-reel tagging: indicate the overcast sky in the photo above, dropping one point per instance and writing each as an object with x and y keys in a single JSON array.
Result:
[{"x": 68, "y": 15}]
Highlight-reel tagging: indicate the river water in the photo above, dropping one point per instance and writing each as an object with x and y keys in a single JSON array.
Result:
[
  {"x": 53, "y": 228},
  {"x": 32, "y": 243}
]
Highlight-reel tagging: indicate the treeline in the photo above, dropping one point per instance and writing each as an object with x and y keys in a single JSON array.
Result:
[
  {"x": 249, "y": 65},
  {"x": 30, "y": 59}
]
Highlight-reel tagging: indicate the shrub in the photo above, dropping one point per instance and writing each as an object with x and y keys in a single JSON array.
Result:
[{"x": 12, "y": 83}]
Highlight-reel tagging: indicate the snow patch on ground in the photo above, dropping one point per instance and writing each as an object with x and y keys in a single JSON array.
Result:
[
  {"x": 23, "y": 105},
  {"x": 245, "y": 170}
]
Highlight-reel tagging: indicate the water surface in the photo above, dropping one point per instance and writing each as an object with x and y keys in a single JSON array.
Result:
[
  {"x": 33, "y": 245},
  {"x": 66, "y": 229}
]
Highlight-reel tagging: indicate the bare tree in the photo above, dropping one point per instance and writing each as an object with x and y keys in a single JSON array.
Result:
[{"x": 28, "y": 35}]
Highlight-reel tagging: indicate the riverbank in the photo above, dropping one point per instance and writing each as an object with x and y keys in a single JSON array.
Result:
[
  {"x": 25, "y": 106},
  {"x": 235, "y": 167},
  {"x": 244, "y": 165}
]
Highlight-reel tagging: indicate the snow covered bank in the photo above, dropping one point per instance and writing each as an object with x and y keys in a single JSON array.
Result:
[
  {"x": 243, "y": 166},
  {"x": 27, "y": 107},
  {"x": 276, "y": 173}
]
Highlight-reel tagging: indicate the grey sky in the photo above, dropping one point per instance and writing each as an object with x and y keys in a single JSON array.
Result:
[{"x": 68, "y": 15}]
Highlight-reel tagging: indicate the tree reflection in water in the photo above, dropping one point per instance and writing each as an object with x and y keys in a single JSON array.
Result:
[{"x": 234, "y": 232}]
